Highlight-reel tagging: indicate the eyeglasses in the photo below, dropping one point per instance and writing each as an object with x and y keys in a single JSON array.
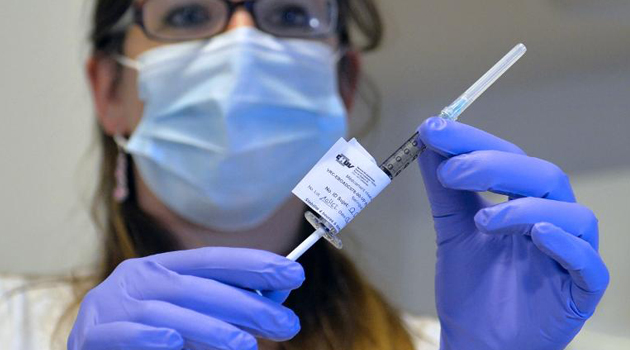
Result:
[{"x": 181, "y": 20}]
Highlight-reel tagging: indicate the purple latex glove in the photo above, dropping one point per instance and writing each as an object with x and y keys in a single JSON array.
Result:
[
  {"x": 523, "y": 274},
  {"x": 193, "y": 299}
]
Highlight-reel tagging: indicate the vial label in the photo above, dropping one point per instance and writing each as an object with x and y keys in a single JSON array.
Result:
[{"x": 342, "y": 183}]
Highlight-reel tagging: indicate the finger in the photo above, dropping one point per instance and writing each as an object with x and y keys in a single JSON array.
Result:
[
  {"x": 245, "y": 309},
  {"x": 129, "y": 335},
  {"x": 279, "y": 296},
  {"x": 192, "y": 326},
  {"x": 245, "y": 268},
  {"x": 450, "y": 208},
  {"x": 450, "y": 138},
  {"x": 515, "y": 175},
  {"x": 520, "y": 215},
  {"x": 588, "y": 272}
]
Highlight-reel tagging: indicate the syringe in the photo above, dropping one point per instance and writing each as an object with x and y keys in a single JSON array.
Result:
[{"x": 409, "y": 151}]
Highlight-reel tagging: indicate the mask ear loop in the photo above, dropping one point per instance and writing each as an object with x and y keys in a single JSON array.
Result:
[
  {"x": 127, "y": 62},
  {"x": 340, "y": 52},
  {"x": 121, "y": 189}
]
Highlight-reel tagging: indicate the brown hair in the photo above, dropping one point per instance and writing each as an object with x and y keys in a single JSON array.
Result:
[{"x": 338, "y": 309}]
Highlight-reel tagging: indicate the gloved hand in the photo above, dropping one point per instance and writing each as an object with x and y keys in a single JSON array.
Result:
[
  {"x": 194, "y": 299},
  {"x": 523, "y": 274}
]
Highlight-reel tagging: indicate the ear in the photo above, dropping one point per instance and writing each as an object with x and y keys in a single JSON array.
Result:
[
  {"x": 349, "y": 72},
  {"x": 103, "y": 75}
]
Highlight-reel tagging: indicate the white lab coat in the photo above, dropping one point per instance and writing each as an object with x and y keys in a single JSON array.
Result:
[{"x": 28, "y": 316}]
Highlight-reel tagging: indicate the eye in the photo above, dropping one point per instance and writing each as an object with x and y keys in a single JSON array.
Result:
[
  {"x": 294, "y": 16},
  {"x": 187, "y": 16}
]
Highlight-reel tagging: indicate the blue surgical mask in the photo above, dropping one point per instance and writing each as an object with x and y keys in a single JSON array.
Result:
[{"x": 232, "y": 124}]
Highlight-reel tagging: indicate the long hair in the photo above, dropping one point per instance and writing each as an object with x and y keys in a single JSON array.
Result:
[{"x": 337, "y": 308}]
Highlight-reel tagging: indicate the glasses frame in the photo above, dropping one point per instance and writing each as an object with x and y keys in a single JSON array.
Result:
[{"x": 135, "y": 15}]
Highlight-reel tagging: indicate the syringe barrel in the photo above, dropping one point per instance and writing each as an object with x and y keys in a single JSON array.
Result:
[{"x": 403, "y": 156}]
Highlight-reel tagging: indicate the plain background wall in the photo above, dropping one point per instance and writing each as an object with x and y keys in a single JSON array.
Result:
[{"x": 566, "y": 101}]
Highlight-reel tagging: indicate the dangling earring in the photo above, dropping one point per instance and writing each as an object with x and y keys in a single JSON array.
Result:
[{"x": 121, "y": 190}]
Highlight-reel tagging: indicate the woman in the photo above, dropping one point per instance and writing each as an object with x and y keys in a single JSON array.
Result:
[{"x": 193, "y": 134}]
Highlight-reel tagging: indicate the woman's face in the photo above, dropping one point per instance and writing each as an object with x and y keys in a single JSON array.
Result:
[{"x": 120, "y": 110}]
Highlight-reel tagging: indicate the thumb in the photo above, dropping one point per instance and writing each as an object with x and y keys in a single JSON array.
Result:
[{"x": 452, "y": 210}]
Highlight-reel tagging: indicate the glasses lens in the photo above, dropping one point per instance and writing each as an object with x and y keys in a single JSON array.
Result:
[
  {"x": 297, "y": 18},
  {"x": 184, "y": 19}
]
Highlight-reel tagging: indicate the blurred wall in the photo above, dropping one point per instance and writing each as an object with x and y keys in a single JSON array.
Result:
[
  {"x": 45, "y": 135},
  {"x": 566, "y": 101}
]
